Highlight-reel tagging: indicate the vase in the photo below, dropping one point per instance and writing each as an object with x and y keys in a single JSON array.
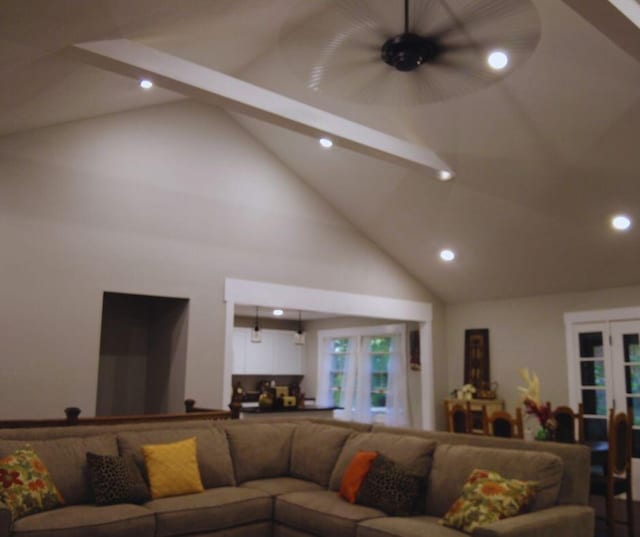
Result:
[{"x": 544, "y": 434}]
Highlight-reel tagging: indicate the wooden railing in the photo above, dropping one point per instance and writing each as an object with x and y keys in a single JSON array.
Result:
[{"x": 73, "y": 418}]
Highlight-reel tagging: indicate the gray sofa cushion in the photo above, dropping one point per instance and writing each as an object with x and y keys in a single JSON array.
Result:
[
  {"x": 418, "y": 526},
  {"x": 274, "y": 486},
  {"x": 453, "y": 464},
  {"x": 321, "y": 513},
  {"x": 314, "y": 451},
  {"x": 411, "y": 452},
  {"x": 214, "y": 459},
  {"x": 260, "y": 450},
  {"x": 66, "y": 460},
  {"x": 211, "y": 510},
  {"x": 124, "y": 520}
]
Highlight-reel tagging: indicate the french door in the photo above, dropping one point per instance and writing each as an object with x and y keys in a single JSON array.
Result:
[{"x": 604, "y": 373}]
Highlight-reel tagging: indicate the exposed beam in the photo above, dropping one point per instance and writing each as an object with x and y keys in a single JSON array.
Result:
[
  {"x": 196, "y": 81},
  {"x": 616, "y": 19}
]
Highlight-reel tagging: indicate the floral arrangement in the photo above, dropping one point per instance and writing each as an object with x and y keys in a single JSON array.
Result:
[
  {"x": 534, "y": 407},
  {"x": 465, "y": 392}
]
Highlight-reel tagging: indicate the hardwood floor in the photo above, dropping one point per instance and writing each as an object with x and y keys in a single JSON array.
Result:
[{"x": 621, "y": 514}]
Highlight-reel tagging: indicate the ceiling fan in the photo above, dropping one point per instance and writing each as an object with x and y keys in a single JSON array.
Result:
[{"x": 373, "y": 51}]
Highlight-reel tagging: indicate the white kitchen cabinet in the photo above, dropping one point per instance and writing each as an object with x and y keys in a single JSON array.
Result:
[{"x": 276, "y": 354}]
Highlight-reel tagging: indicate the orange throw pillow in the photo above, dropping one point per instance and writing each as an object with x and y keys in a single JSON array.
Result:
[{"x": 355, "y": 473}]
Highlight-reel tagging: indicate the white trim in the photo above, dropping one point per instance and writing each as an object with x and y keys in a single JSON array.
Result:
[
  {"x": 265, "y": 294},
  {"x": 593, "y": 316},
  {"x": 382, "y": 329},
  {"x": 629, "y": 8}
]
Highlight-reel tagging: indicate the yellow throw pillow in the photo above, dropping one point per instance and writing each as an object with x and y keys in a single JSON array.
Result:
[{"x": 172, "y": 468}]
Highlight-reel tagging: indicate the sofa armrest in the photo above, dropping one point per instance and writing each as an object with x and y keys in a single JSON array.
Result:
[
  {"x": 560, "y": 520},
  {"x": 5, "y": 520}
]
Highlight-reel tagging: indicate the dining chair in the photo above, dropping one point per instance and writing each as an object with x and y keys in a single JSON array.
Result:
[
  {"x": 502, "y": 423},
  {"x": 615, "y": 477},
  {"x": 570, "y": 424},
  {"x": 458, "y": 416}
]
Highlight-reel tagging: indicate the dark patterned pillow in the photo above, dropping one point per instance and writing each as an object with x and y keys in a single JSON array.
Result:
[
  {"x": 390, "y": 488},
  {"x": 116, "y": 479}
]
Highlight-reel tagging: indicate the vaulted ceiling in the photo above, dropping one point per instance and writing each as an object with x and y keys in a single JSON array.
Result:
[{"x": 543, "y": 158}]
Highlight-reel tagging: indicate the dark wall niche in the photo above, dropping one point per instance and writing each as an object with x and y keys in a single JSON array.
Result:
[{"x": 143, "y": 351}]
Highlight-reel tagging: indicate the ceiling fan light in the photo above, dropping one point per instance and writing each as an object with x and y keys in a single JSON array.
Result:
[{"x": 498, "y": 60}]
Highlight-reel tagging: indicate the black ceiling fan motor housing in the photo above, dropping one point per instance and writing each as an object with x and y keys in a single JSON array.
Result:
[{"x": 406, "y": 52}]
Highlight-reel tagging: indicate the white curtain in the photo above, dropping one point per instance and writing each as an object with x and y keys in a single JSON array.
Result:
[
  {"x": 397, "y": 388},
  {"x": 323, "y": 392},
  {"x": 362, "y": 410},
  {"x": 350, "y": 381}
]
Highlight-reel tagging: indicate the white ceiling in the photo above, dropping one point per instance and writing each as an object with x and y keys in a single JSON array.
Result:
[{"x": 543, "y": 158}]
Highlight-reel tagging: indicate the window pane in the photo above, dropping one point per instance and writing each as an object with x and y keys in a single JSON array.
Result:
[
  {"x": 631, "y": 348},
  {"x": 590, "y": 344},
  {"x": 379, "y": 381},
  {"x": 592, "y": 373},
  {"x": 380, "y": 362},
  {"x": 338, "y": 362},
  {"x": 632, "y": 377},
  {"x": 336, "y": 379},
  {"x": 635, "y": 403},
  {"x": 337, "y": 398},
  {"x": 340, "y": 344},
  {"x": 595, "y": 429},
  {"x": 635, "y": 439},
  {"x": 378, "y": 399},
  {"x": 380, "y": 344},
  {"x": 595, "y": 402}
]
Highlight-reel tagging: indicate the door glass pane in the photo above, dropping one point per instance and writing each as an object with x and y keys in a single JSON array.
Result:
[
  {"x": 380, "y": 363},
  {"x": 590, "y": 344},
  {"x": 632, "y": 378},
  {"x": 634, "y": 402},
  {"x": 595, "y": 429},
  {"x": 592, "y": 373},
  {"x": 595, "y": 402},
  {"x": 631, "y": 348}
]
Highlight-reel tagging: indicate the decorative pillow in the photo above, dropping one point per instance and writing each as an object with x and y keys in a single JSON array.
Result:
[
  {"x": 355, "y": 473},
  {"x": 116, "y": 479},
  {"x": 25, "y": 484},
  {"x": 488, "y": 497},
  {"x": 390, "y": 488},
  {"x": 172, "y": 468}
]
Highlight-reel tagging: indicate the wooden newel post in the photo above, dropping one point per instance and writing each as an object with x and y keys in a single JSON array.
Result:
[{"x": 72, "y": 413}]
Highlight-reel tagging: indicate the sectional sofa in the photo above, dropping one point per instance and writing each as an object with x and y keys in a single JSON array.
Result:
[{"x": 265, "y": 479}]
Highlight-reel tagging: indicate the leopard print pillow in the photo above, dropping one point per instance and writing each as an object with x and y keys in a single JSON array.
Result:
[
  {"x": 390, "y": 488},
  {"x": 116, "y": 479}
]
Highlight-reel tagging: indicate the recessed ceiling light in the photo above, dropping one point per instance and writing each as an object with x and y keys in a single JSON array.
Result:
[
  {"x": 498, "y": 60},
  {"x": 444, "y": 175},
  {"x": 621, "y": 222},
  {"x": 447, "y": 255},
  {"x": 326, "y": 143},
  {"x": 146, "y": 84},
  {"x": 278, "y": 313}
]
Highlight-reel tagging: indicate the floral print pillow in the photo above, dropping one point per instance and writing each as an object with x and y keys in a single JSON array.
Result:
[
  {"x": 25, "y": 484},
  {"x": 488, "y": 497}
]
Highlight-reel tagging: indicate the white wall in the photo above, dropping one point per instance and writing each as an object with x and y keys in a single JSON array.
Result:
[
  {"x": 169, "y": 201},
  {"x": 526, "y": 332}
]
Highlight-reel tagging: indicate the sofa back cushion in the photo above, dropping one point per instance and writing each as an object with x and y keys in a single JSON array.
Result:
[
  {"x": 453, "y": 464},
  {"x": 66, "y": 460},
  {"x": 214, "y": 460},
  {"x": 412, "y": 453},
  {"x": 260, "y": 450},
  {"x": 314, "y": 451}
]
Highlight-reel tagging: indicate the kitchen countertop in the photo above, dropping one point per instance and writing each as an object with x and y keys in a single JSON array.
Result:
[{"x": 306, "y": 408}]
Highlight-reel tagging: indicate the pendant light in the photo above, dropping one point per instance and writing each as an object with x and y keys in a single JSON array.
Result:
[
  {"x": 256, "y": 335},
  {"x": 298, "y": 337}
]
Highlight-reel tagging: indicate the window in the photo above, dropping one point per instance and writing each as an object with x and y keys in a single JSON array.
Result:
[{"x": 363, "y": 370}]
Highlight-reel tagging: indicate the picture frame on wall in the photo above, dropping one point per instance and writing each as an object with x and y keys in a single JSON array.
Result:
[{"x": 476, "y": 357}]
